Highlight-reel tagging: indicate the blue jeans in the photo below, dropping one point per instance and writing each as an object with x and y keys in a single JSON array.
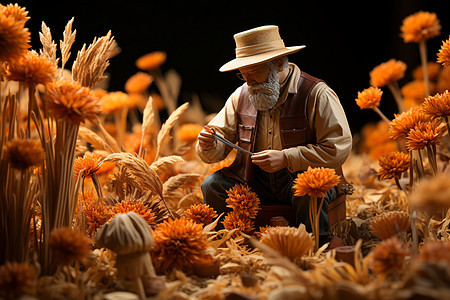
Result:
[{"x": 270, "y": 188}]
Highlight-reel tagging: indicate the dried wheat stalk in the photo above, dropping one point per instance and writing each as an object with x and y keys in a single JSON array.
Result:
[
  {"x": 48, "y": 45},
  {"x": 164, "y": 162},
  {"x": 148, "y": 119},
  {"x": 94, "y": 139},
  {"x": 180, "y": 180},
  {"x": 67, "y": 42}
]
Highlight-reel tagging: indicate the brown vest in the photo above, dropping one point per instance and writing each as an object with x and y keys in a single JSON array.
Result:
[{"x": 294, "y": 126}]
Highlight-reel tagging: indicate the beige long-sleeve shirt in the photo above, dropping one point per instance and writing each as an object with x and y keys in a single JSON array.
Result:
[{"x": 325, "y": 115}]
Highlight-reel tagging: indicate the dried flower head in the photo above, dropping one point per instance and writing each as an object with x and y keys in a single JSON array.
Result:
[
  {"x": 188, "y": 133},
  {"x": 16, "y": 279},
  {"x": 235, "y": 220},
  {"x": 96, "y": 215},
  {"x": 437, "y": 105},
  {"x": 393, "y": 165},
  {"x": 242, "y": 200},
  {"x": 23, "y": 154},
  {"x": 88, "y": 165},
  {"x": 68, "y": 245},
  {"x": 73, "y": 102},
  {"x": 31, "y": 70},
  {"x": 432, "y": 194},
  {"x": 388, "y": 256},
  {"x": 369, "y": 98},
  {"x": 137, "y": 207},
  {"x": 420, "y": 26},
  {"x": 151, "y": 60},
  {"x": 433, "y": 70},
  {"x": 113, "y": 101},
  {"x": 315, "y": 182},
  {"x": 389, "y": 224},
  {"x": 435, "y": 251},
  {"x": 425, "y": 134},
  {"x": 201, "y": 213},
  {"x": 178, "y": 244},
  {"x": 404, "y": 122},
  {"x": 444, "y": 53},
  {"x": 387, "y": 72},
  {"x": 416, "y": 89},
  {"x": 138, "y": 83},
  {"x": 288, "y": 241},
  {"x": 14, "y": 37}
]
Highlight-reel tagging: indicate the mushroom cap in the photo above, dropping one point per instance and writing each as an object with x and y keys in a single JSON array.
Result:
[{"x": 125, "y": 234}]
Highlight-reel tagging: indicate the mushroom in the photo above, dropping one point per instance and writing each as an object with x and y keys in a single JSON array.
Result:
[{"x": 130, "y": 237}]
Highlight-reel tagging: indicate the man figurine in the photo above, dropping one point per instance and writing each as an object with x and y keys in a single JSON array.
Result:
[{"x": 287, "y": 118}]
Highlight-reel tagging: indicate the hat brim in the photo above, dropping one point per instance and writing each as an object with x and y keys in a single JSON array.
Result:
[{"x": 259, "y": 58}]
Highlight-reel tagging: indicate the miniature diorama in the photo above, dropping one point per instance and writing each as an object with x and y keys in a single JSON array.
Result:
[{"x": 127, "y": 194}]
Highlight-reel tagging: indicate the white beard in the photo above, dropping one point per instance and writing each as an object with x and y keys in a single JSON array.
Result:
[{"x": 265, "y": 95}]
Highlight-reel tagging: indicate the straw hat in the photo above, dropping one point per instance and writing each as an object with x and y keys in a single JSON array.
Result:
[{"x": 256, "y": 46}]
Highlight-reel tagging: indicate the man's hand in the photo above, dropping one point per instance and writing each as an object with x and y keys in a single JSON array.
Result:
[
  {"x": 206, "y": 140},
  {"x": 270, "y": 160}
]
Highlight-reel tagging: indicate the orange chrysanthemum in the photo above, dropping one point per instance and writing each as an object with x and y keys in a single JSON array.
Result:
[
  {"x": 188, "y": 133},
  {"x": 68, "y": 245},
  {"x": 22, "y": 154},
  {"x": 369, "y": 98},
  {"x": 135, "y": 206},
  {"x": 96, "y": 215},
  {"x": 315, "y": 182},
  {"x": 201, "y": 213},
  {"x": 432, "y": 194},
  {"x": 178, "y": 244},
  {"x": 425, "y": 134},
  {"x": 437, "y": 105},
  {"x": 404, "y": 122},
  {"x": 389, "y": 224},
  {"x": 444, "y": 53},
  {"x": 151, "y": 60},
  {"x": 242, "y": 200},
  {"x": 437, "y": 251},
  {"x": 388, "y": 256},
  {"x": 433, "y": 70},
  {"x": 88, "y": 165},
  {"x": 113, "y": 101},
  {"x": 416, "y": 89},
  {"x": 235, "y": 220},
  {"x": 291, "y": 242},
  {"x": 420, "y": 26},
  {"x": 393, "y": 165},
  {"x": 16, "y": 279},
  {"x": 387, "y": 72},
  {"x": 31, "y": 70},
  {"x": 138, "y": 83},
  {"x": 14, "y": 37},
  {"x": 73, "y": 102}
]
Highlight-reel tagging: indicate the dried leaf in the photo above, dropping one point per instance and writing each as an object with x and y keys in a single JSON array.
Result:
[
  {"x": 67, "y": 42},
  {"x": 164, "y": 134}
]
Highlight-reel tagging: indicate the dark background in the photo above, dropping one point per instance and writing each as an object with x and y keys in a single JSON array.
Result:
[{"x": 344, "y": 41}]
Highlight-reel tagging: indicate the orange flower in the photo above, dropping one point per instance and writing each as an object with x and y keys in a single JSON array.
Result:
[
  {"x": 444, "y": 53},
  {"x": 113, "y": 101},
  {"x": 416, "y": 89},
  {"x": 136, "y": 100},
  {"x": 16, "y": 279},
  {"x": 235, "y": 220},
  {"x": 68, "y": 245},
  {"x": 23, "y": 154},
  {"x": 96, "y": 215},
  {"x": 405, "y": 121},
  {"x": 32, "y": 70},
  {"x": 88, "y": 165},
  {"x": 443, "y": 83},
  {"x": 151, "y": 60},
  {"x": 201, "y": 213},
  {"x": 420, "y": 26},
  {"x": 178, "y": 244},
  {"x": 14, "y": 37},
  {"x": 425, "y": 134},
  {"x": 388, "y": 256},
  {"x": 369, "y": 98},
  {"x": 389, "y": 224},
  {"x": 432, "y": 194},
  {"x": 393, "y": 165},
  {"x": 73, "y": 102},
  {"x": 291, "y": 242},
  {"x": 138, "y": 83},
  {"x": 243, "y": 201},
  {"x": 315, "y": 182},
  {"x": 433, "y": 70},
  {"x": 137, "y": 207},
  {"x": 188, "y": 133},
  {"x": 437, "y": 105},
  {"x": 436, "y": 251},
  {"x": 388, "y": 72}
]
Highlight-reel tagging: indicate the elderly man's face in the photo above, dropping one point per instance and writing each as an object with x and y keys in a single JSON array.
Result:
[{"x": 255, "y": 74}]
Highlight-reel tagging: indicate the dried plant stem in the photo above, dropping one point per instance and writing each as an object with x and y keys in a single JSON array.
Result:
[
  {"x": 313, "y": 220},
  {"x": 397, "y": 182},
  {"x": 423, "y": 58},
  {"x": 432, "y": 159},
  {"x": 164, "y": 89},
  {"x": 395, "y": 90},
  {"x": 415, "y": 237},
  {"x": 383, "y": 116}
]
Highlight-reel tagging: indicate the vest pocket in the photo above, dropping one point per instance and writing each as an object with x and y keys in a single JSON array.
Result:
[
  {"x": 293, "y": 137},
  {"x": 245, "y": 133}
]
